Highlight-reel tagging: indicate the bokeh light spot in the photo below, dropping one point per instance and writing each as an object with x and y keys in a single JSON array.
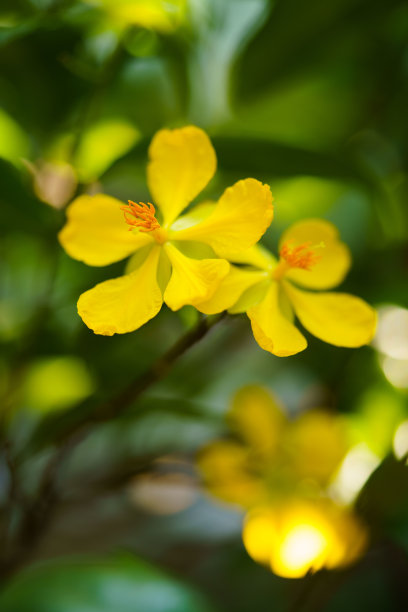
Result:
[
  {"x": 356, "y": 468},
  {"x": 392, "y": 332},
  {"x": 396, "y": 371},
  {"x": 301, "y": 549},
  {"x": 400, "y": 442}
]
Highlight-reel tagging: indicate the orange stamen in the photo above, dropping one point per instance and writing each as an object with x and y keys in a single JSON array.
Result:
[
  {"x": 300, "y": 256},
  {"x": 140, "y": 216}
]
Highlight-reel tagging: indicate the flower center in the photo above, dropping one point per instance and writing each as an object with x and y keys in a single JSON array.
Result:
[
  {"x": 142, "y": 217},
  {"x": 301, "y": 256}
]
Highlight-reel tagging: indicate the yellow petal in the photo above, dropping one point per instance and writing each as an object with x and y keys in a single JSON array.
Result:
[
  {"x": 258, "y": 419},
  {"x": 240, "y": 218},
  {"x": 230, "y": 290},
  {"x": 181, "y": 164},
  {"x": 251, "y": 297},
  {"x": 123, "y": 304},
  {"x": 96, "y": 232},
  {"x": 272, "y": 330},
  {"x": 256, "y": 256},
  {"x": 197, "y": 214},
  {"x": 192, "y": 280},
  {"x": 316, "y": 444},
  {"x": 135, "y": 261},
  {"x": 335, "y": 258},
  {"x": 260, "y": 533},
  {"x": 336, "y": 318},
  {"x": 226, "y": 471}
]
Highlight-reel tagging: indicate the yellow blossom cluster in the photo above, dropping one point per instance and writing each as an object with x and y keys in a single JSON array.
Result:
[
  {"x": 209, "y": 257},
  {"x": 280, "y": 470}
]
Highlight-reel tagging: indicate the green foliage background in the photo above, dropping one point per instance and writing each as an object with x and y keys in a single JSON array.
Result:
[{"x": 310, "y": 97}]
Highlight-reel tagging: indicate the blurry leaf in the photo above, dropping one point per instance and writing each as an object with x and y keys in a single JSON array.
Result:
[
  {"x": 11, "y": 30},
  {"x": 101, "y": 145},
  {"x": 147, "y": 90},
  {"x": 305, "y": 196},
  {"x": 381, "y": 158},
  {"x": 378, "y": 413},
  {"x": 385, "y": 492},
  {"x": 141, "y": 43},
  {"x": 118, "y": 585},
  {"x": 222, "y": 30},
  {"x": 100, "y": 47},
  {"x": 43, "y": 5},
  {"x": 189, "y": 316},
  {"x": 14, "y": 143},
  {"x": 56, "y": 383},
  {"x": 317, "y": 111},
  {"x": 19, "y": 209},
  {"x": 26, "y": 269}
]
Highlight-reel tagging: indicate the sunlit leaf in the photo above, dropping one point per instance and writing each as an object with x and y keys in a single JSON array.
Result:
[
  {"x": 56, "y": 383},
  {"x": 101, "y": 145},
  {"x": 14, "y": 142}
]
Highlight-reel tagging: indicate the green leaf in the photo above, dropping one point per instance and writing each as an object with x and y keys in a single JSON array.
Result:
[
  {"x": 102, "y": 144},
  {"x": 9, "y": 32},
  {"x": 14, "y": 142},
  {"x": 56, "y": 383},
  {"x": 115, "y": 585}
]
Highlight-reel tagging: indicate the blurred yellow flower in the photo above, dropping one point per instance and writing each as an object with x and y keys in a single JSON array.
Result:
[
  {"x": 270, "y": 455},
  {"x": 281, "y": 472},
  {"x": 161, "y": 15},
  {"x": 312, "y": 256},
  {"x": 296, "y": 536},
  {"x": 172, "y": 261}
]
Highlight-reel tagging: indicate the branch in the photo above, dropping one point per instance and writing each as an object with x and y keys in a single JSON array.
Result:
[{"x": 38, "y": 514}]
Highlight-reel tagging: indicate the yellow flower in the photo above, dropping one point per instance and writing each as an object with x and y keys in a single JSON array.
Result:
[
  {"x": 173, "y": 260},
  {"x": 298, "y": 536},
  {"x": 311, "y": 256},
  {"x": 281, "y": 471},
  {"x": 270, "y": 455}
]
